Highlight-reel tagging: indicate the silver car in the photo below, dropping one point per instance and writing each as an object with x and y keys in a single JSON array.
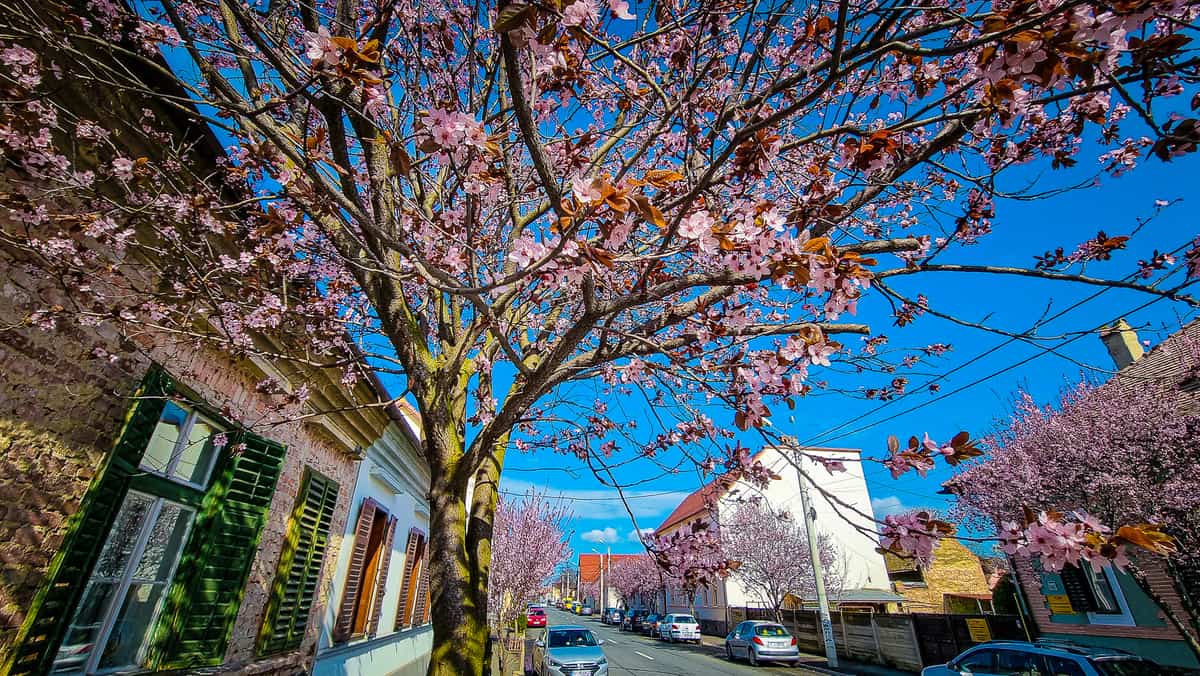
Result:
[
  {"x": 759, "y": 641},
  {"x": 1056, "y": 658},
  {"x": 569, "y": 651}
]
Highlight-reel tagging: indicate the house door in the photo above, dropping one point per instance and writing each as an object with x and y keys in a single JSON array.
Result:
[{"x": 111, "y": 627}]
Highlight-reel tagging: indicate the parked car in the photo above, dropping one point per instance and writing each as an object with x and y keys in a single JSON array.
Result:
[
  {"x": 679, "y": 627},
  {"x": 1055, "y": 658},
  {"x": 613, "y": 616},
  {"x": 575, "y": 606},
  {"x": 632, "y": 620},
  {"x": 650, "y": 625},
  {"x": 759, "y": 641},
  {"x": 586, "y": 610},
  {"x": 569, "y": 650},
  {"x": 535, "y": 617}
]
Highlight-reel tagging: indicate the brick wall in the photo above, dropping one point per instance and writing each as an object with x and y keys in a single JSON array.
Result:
[{"x": 61, "y": 407}]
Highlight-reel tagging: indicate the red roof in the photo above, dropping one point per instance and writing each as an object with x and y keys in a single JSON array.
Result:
[
  {"x": 589, "y": 564},
  {"x": 697, "y": 501}
]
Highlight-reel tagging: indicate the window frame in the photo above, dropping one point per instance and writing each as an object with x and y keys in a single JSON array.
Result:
[
  {"x": 194, "y": 413},
  {"x": 1124, "y": 618}
]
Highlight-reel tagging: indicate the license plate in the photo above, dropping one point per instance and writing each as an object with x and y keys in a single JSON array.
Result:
[{"x": 580, "y": 672}]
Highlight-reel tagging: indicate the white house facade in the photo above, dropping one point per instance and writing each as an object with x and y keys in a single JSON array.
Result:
[
  {"x": 377, "y": 620},
  {"x": 841, "y": 505}
]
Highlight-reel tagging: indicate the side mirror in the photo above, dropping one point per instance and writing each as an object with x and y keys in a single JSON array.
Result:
[
  {"x": 540, "y": 643},
  {"x": 600, "y": 642}
]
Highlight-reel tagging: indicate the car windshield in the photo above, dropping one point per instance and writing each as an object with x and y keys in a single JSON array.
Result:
[
  {"x": 684, "y": 619},
  {"x": 572, "y": 638},
  {"x": 1118, "y": 666},
  {"x": 537, "y": 611},
  {"x": 770, "y": 630}
]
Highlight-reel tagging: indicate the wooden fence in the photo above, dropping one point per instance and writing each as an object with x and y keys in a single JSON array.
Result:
[{"x": 902, "y": 641}]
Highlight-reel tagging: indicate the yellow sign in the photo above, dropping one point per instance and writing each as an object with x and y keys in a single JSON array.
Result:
[
  {"x": 978, "y": 627},
  {"x": 1060, "y": 604}
]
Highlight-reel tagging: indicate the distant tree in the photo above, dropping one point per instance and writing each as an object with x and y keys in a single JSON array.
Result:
[
  {"x": 528, "y": 545},
  {"x": 1125, "y": 452},
  {"x": 638, "y": 580},
  {"x": 769, "y": 554}
]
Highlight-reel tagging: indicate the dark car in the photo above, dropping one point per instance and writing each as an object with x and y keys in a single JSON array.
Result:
[
  {"x": 650, "y": 625},
  {"x": 632, "y": 620}
]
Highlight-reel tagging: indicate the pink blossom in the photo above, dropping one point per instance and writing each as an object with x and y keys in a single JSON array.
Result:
[
  {"x": 320, "y": 48},
  {"x": 620, "y": 9},
  {"x": 580, "y": 13}
]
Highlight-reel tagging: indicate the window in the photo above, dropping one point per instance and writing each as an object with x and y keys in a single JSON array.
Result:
[
  {"x": 1097, "y": 593},
  {"x": 1019, "y": 663},
  {"x": 414, "y": 587},
  {"x": 181, "y": 447},
  {"x": 571, "y": 638},
  {"x": 366, "y": 578},
  {"x": 298, "y": 575},
  {"x": 981, "y": 661},
  {"x": 1062, "y": 666},
  {"x": 124, "y": 594},
  {"x": 154, "y": 563}
]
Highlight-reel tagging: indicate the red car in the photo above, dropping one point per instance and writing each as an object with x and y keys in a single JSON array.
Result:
[{"x": 535, "y": 617}]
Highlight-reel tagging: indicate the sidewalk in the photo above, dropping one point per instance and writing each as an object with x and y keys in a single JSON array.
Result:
[{"x": 816, "y": 664}]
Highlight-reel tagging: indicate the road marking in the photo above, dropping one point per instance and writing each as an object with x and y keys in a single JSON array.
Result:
[{"x": 637, "y": 652}]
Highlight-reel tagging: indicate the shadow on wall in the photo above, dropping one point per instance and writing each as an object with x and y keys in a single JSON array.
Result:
[{"x": 405, "y": 653}]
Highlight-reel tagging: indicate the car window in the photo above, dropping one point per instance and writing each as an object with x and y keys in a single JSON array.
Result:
[
  {"x": 983, "y": 661},
  {"x": 571, "y": 638},
  {"x": 1019, "y": 663},
  {"x": 684, "y": 619},
  {"x": 1125, "y": 666},
  {"x": 770, "y": 630},
  {"x": 535, "y": 612},
  {"x": 1061, "y": 666}
]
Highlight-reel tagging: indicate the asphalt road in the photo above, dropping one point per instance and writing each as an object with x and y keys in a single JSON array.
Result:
[{"x": 635, "y": 655}]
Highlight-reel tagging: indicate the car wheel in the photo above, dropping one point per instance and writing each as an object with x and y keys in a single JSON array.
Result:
[{"x": 753, "y": 657}]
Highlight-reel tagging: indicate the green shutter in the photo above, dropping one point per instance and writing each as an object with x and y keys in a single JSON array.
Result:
[
  {"x": 206, "y": 593},
  {"x": 300, "y": 562},
  {"x": 52, "y": 609}
]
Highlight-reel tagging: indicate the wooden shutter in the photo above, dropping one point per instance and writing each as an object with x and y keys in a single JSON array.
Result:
[
  {"x": 421, "y": 611},
  {"x": 358, "y": 556},
  {"x": 381, "y": 582},
  {"x": 87, "y": 530},
  {"x": 1079, "y": 589},
  {"x": 298, "y": 576},
  {"x": 210, "y": 581},
  {"x": 412, "y": 553}
]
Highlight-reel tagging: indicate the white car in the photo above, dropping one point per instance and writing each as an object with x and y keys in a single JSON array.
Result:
[
  {"x": 1057, "y": 658},
  {"x": 679, "y": 627}
]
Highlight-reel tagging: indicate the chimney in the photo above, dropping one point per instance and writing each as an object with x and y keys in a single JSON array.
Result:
[{"x": 1122, "y": 343}]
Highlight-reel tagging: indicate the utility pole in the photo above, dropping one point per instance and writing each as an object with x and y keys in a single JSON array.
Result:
[{"x": 814, "y": 550}]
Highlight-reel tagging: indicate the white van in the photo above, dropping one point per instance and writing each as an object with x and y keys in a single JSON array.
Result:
[{"x": 679, "y": 627}]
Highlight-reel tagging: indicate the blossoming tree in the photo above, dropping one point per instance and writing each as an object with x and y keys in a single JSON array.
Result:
[
  {"x": 500, "y": 203},
  {"x": 638, "y": 580},
  {"x": 1126, "y": 452},
  {"x": 770, "y": 557},
  {"x": 529, "y": 542}
]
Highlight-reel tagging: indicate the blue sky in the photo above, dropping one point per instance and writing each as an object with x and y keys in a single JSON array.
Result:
[{"x": 997, "y": 368}]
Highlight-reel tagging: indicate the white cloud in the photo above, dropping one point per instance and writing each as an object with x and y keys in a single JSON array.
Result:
[
  {"x": 889, "y": 505},
  {"x": 601, "y": 504},
  {"x": 633, "y": 534},
  {"x": 601, "y": 536}
]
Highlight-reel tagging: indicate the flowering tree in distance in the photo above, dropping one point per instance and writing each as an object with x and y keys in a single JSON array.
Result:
[
  {"x": 638, "y": 580},
  {"x": 1124, "y": 452},
  {"x": 770, "y": 557},
  {"x": 500, "y": 203},
  {"x": 529, "y": 542}
]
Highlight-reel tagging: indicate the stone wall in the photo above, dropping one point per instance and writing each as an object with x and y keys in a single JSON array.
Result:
[
  {"x": 62, "y": 402},
  {"x": 955, "y": 570}
]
